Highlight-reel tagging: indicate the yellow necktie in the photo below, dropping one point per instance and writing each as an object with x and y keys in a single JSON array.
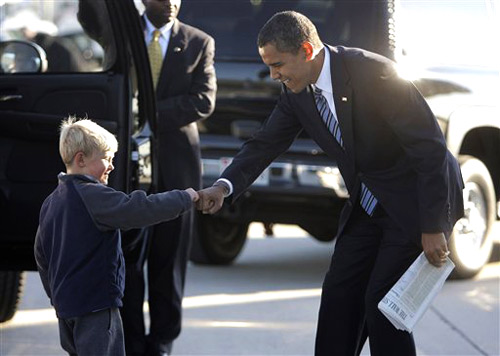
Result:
[{"x": 155, "y": 56}]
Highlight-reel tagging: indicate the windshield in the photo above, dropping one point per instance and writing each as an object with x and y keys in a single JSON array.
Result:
[{"x": 235, "y": 23}]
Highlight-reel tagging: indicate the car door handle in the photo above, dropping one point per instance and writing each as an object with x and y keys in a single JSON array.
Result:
[{"x": 11, "y": 97}]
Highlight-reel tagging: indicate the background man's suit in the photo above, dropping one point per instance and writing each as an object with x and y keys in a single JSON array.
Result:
[
  {"x": 393, "y": 145},
  {"x": 185, "y": 93}
]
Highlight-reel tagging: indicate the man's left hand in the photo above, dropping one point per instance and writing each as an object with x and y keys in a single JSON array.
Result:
[{"x": 435, "y": 248}]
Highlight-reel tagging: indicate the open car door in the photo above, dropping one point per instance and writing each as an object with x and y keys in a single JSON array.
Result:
[{"x": 97, "y": 67}]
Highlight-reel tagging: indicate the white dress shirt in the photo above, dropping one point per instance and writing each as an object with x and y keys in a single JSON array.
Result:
[
  {"x": 165, "y": 30},
  {"x": 324, "y": 82}
]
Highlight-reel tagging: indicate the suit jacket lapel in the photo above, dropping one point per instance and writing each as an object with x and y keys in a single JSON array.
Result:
[
  {"x": 176, "y": 45},
  {"x": 342, "y": 96}
]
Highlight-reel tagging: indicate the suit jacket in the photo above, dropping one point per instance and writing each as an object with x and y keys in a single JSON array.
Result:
[
  {"x": 392, "y": 143},
  {"x": 185, "y": 94}
]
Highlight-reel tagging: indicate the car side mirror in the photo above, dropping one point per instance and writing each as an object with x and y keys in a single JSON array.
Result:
[{"x": 22, "y": 57}]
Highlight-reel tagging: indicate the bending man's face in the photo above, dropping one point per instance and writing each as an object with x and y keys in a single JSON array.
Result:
[
  {"x": 293, "y": 70},
  {"x": 160, "y": 12}
]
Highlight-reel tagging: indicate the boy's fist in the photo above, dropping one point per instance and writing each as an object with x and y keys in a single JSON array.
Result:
[{"x": 193, "y": 194}]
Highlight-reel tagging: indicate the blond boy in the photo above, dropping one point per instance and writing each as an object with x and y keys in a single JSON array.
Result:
[{"x": 77, "y": 245}]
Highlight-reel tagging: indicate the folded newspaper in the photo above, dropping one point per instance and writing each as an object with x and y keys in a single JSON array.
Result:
[{"x": 413, "y": 293}]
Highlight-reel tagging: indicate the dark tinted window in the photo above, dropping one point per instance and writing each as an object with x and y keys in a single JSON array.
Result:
[{"x": 235, "y": 23}]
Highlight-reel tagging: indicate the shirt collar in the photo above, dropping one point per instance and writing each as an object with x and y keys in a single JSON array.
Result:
[
  {"x": 324, "y": 81},
  {"x": 165, "y": 29}
]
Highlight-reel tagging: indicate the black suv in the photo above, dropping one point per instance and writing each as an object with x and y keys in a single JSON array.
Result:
[{"x": 303, "y": 186}]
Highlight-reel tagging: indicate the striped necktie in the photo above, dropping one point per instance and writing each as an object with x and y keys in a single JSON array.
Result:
[
  {"x": 368, "y": 201},
  {"x": 326, "y": 114},
  {"x": 155, "y": 56}
]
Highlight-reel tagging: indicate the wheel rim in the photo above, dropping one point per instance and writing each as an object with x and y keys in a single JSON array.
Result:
[{"x": 470, "y": 231}]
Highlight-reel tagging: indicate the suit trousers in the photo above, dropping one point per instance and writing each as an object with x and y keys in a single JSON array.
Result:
[
  {"x": 165, "y": 247},
  {"x": 167, "y": 262},
  {"x": 369, "y": 257},
  {"x": 135, "y": 244},
  {"x": 97, "y": 333}
]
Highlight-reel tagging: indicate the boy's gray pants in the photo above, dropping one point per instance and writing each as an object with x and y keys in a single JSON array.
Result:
[{"x": 98, "y": 333}]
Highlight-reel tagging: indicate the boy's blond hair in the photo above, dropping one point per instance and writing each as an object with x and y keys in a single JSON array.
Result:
[{"x": 84, "y": 135}]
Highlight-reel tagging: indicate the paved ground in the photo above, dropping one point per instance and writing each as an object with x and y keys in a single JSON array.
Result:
[{"x": 267, "y": 302}]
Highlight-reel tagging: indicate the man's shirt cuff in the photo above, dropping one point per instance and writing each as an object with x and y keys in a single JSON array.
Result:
[{"x": 229, "y": 185}]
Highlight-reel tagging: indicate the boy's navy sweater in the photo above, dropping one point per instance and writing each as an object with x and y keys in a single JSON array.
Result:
[{"x": 77, "y": 245}]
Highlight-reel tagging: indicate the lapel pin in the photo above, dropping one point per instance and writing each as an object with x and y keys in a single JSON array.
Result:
[
  {"x": 177, "y": 49},
  {"x": 344, "y": 99}
]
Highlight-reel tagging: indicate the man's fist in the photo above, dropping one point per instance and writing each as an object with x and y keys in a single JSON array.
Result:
[{"x": 211, "y": 199}]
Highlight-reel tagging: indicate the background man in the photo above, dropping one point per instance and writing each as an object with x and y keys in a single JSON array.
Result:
[
  {"x": 405, "y": 186},
  {"x": 182, "y": 59}
]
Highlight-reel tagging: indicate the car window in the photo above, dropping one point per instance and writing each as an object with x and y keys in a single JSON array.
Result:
[
  {"x": 235, "y": 24},
  {"x": 63, "y": 30}
]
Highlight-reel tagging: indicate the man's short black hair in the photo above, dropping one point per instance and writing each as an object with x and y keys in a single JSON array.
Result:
[{"x": 287, "y": 31}]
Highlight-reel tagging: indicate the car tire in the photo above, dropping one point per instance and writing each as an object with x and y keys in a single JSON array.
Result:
[
  {"x": 472, "y": 241},
  {"x": 11, "y": 287},
  {"x": 219, "y": 241}
]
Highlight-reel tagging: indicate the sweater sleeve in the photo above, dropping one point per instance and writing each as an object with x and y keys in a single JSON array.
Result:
[
  {"x": 41, "y": 263},
  {"x": 112, "y": 209}
]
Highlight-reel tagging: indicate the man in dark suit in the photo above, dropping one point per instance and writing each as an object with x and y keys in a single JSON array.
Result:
[
  {"x": 182, "y": 65},
  {"x": 405, "y": 187}
]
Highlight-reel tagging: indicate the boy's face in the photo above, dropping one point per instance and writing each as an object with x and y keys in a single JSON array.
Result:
[{"x": 99, "y": 165}]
